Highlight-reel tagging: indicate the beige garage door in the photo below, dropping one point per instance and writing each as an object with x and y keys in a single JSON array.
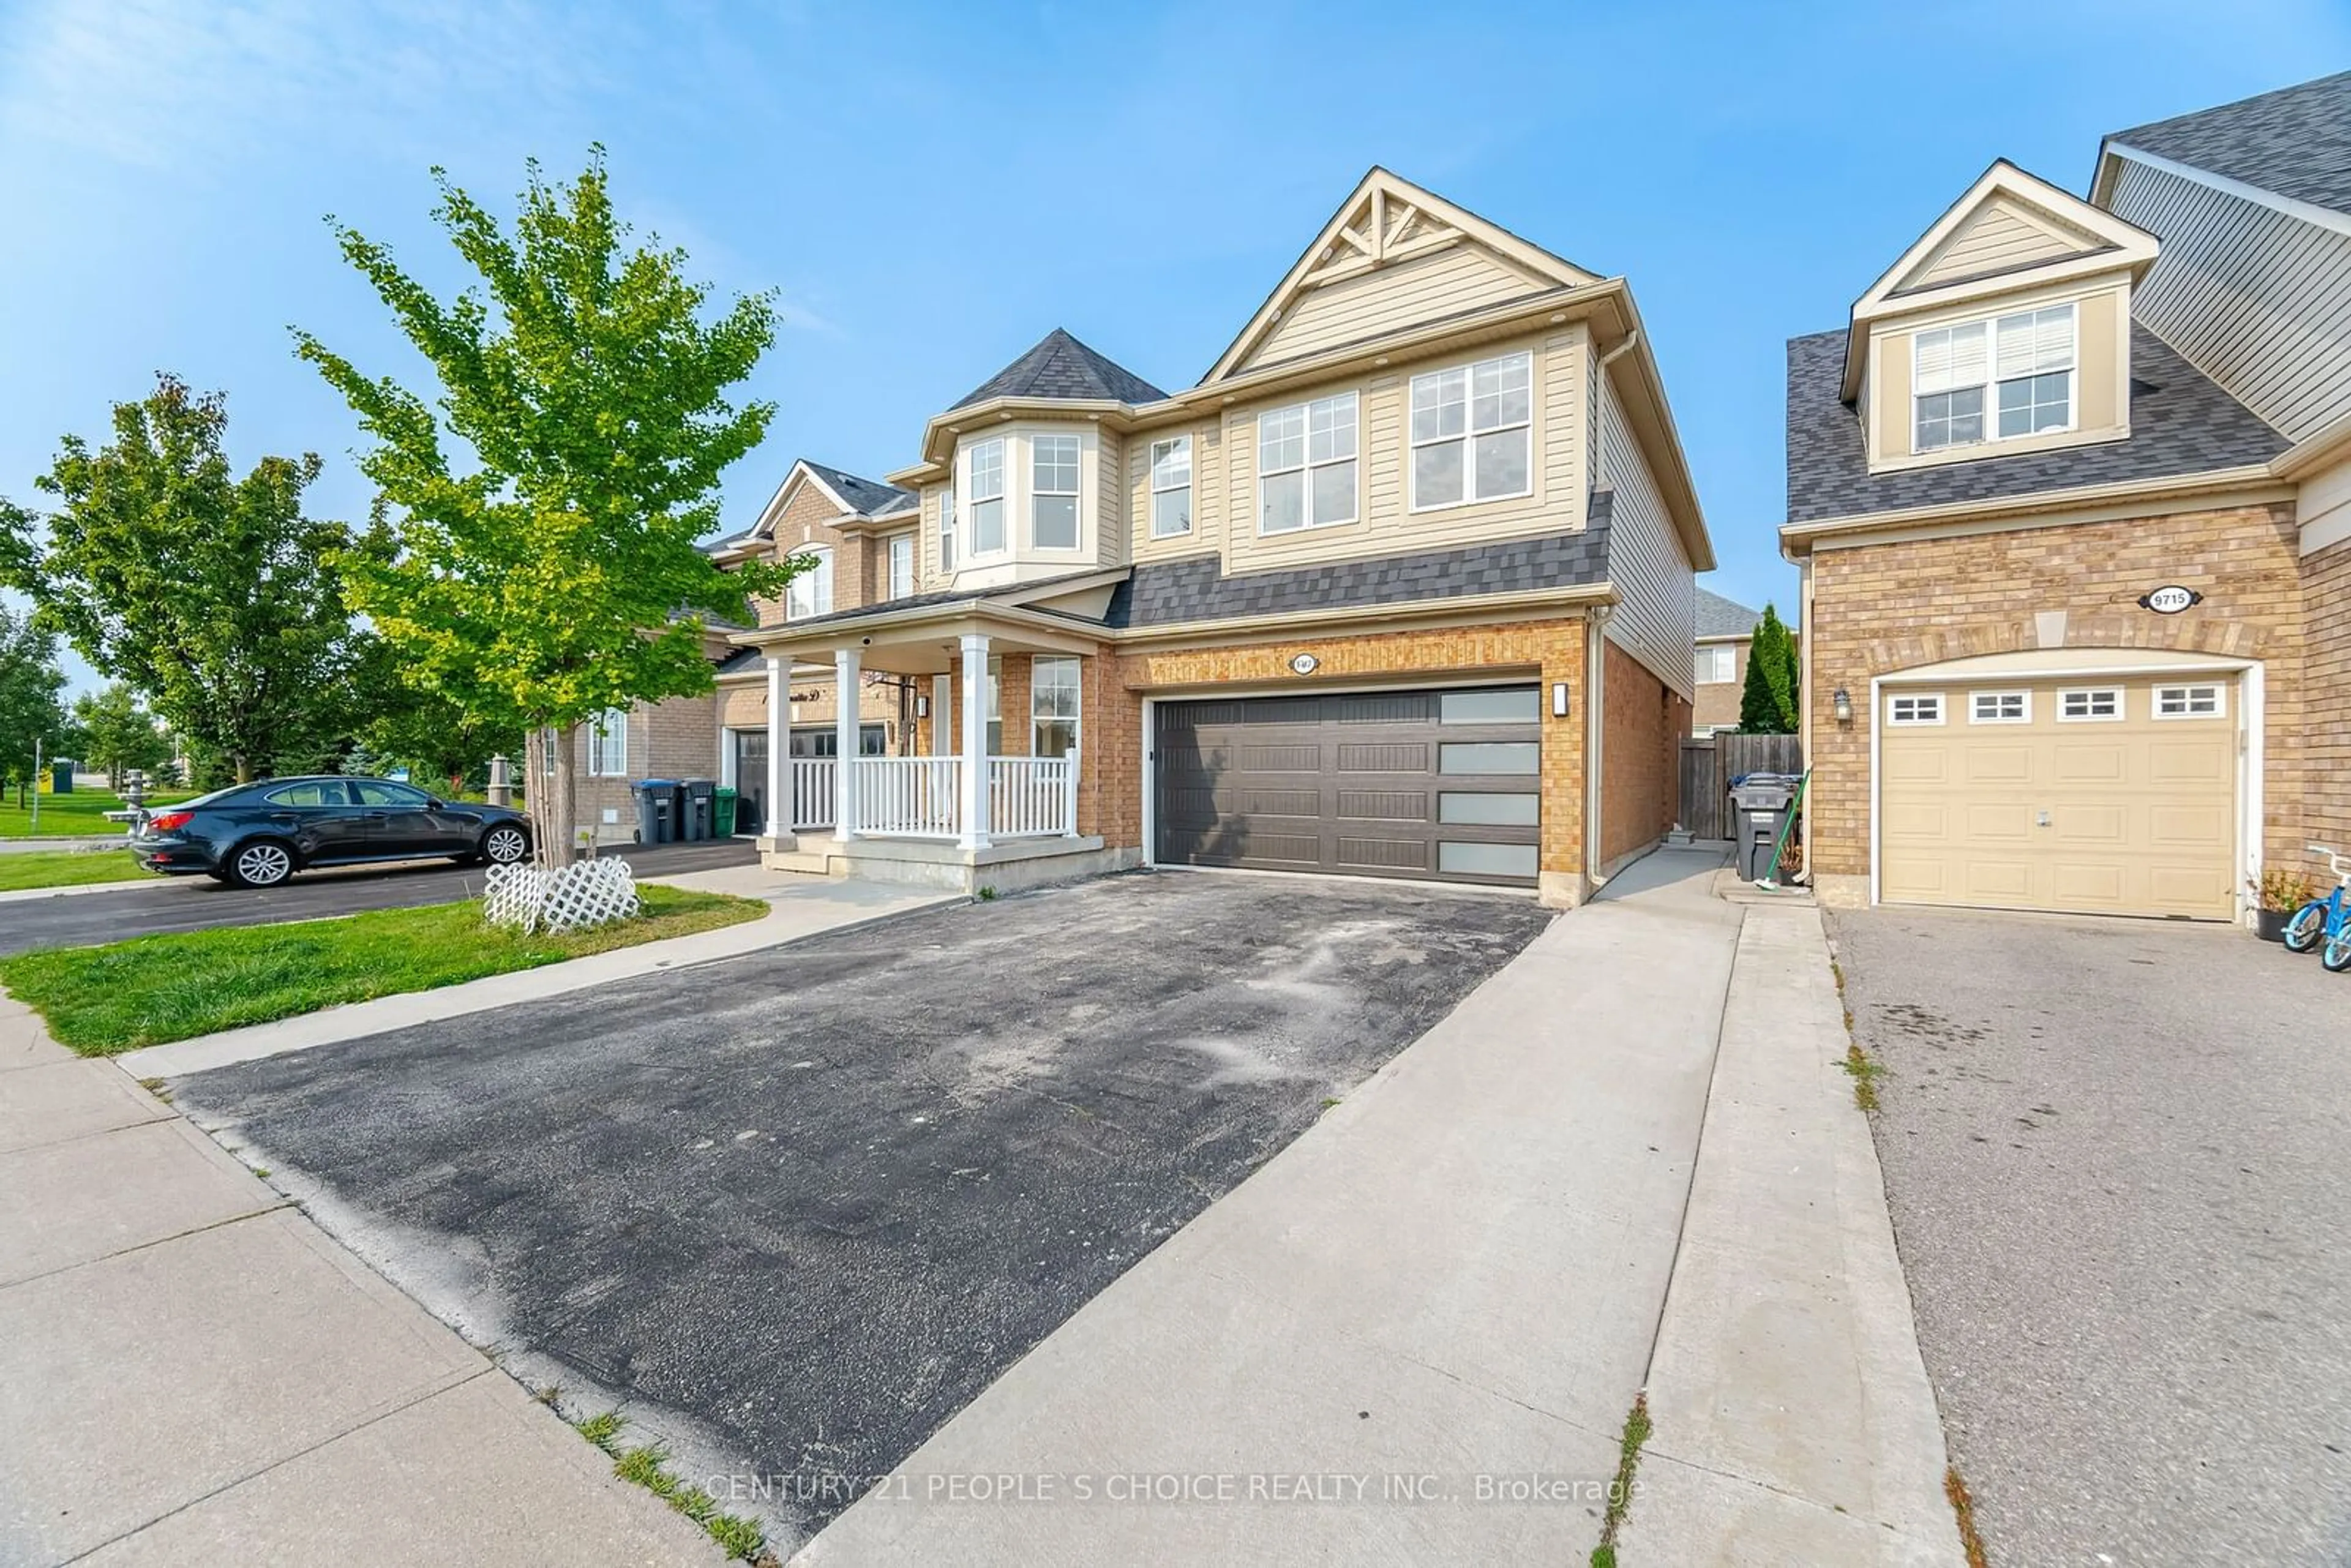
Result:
[{"x": 2107, "y": 797}]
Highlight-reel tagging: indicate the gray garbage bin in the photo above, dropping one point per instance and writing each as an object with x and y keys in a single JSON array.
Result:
[
  {"x": 700, "y": 796},
  {"x": 656, "y": 810},
  {"x": 1760, "y": 804}
]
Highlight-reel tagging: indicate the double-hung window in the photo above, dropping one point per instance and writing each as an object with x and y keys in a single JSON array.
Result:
[
  {"x": 1996, "y": 380},
  {"x": 811, "y": 593},
  {"x": 1473, "y": 432},
  {"x": 1171, "y": 488},
  {"x": 987, "y": 499},
  {"x": 901, "y": 565},
  {"x": 1306, "y": 464},
  {"x": 1717, "y": 663},
  {"x": 1053, "y": 492},
  {"x": 947, "y": 528},
  {"x": 1053, "y": 704},
  {"x": 608, "y": 744}
]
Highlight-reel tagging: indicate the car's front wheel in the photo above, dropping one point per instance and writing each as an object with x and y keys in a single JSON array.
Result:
[
  {"x": 505, "y": 844},
  {"x": 265, "y": 862}
]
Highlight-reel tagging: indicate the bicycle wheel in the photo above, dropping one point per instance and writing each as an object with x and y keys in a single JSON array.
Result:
[
  {"x": 2336, "y": 955},
  {"x": 2308, "y": 924}
]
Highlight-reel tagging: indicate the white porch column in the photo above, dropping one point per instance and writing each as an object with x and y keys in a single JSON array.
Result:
[
  {"x": 778, "y": 803},
  {"x": 848, "y": 703},
  {"x": 974, "y": 815}
]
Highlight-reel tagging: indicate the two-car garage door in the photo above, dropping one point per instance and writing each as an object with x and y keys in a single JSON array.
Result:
[
  {"x": 2113, "y": 795},
  {"x": 1437, "y": 784}
]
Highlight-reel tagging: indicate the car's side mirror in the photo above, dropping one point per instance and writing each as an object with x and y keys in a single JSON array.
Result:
[{"x": 435, "y": 803}]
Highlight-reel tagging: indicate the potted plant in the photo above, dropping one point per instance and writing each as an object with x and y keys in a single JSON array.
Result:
[{"x": 2281, "y": 891}]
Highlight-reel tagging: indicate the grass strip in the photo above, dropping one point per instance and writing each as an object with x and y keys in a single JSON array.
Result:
[
  {"x": 152, "y": 989},
  {"x": 68, "y": 868},
  {"x": 80, "y": 815},
  {"x": 1620, "y": 1489},
  {"x": 647, "y": 1465}
]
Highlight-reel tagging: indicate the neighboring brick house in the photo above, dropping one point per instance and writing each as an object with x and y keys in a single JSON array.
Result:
[
  {"x": 1403, "y": 587},
  {"x": 2071, "y": 494}
]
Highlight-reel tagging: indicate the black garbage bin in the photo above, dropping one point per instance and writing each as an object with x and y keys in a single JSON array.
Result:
[
  {"x": 656, "y": 810},
  {"x": 1760, "y": 804},
  {"x": 700, "y": 797}
]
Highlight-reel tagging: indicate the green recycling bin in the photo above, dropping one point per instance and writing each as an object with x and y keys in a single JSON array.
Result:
[{"x": 722, "y": 808}]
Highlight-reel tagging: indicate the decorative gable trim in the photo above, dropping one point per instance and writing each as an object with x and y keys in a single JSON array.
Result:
[{"x": 1385, "y": 221}]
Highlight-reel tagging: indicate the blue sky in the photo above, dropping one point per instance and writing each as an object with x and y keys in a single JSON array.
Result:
[{"x": 933, "y": 187}]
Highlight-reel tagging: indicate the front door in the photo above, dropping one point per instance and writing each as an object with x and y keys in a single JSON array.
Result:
[{"x": 750, "y": 780}]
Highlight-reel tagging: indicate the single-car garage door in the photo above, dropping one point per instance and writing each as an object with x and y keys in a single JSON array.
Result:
[
  {"x": 2101, "y": 796},
  {"x": 1444, "y": 784}
]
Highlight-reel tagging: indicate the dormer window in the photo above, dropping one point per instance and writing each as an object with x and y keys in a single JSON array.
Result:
[
  {"x": 987, "y": 499},
  {"x": 2019, "y": 367},
  {"x": 1053, "y": 491}
]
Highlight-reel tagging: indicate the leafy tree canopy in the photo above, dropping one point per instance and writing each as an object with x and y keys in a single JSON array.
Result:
[
  {"x": 31, "y": 718},
  {"x": 118, "y": 733}
]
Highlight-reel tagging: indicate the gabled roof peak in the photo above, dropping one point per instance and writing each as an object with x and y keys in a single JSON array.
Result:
[{"x": 1061, "y": 368}]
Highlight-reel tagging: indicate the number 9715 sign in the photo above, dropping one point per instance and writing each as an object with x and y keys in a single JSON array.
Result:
[{"x": 2169, "y": 600}]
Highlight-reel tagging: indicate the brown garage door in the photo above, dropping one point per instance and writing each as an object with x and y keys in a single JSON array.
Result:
[{"x": 1442, "y": 784}]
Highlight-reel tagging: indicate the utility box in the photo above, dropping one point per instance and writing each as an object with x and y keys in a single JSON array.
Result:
[
  {"x": 657, "y": 818},
  {"x": 1760, "y": 804},
  {"x": 695, "y": 819}
]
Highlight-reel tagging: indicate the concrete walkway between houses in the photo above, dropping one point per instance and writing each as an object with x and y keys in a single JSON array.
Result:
[
  {"x": 192, "y": 1372},
  {"x": 1415, "y": 1335}
]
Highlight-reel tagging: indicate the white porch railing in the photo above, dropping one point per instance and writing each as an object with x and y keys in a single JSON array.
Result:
[
  {"x": 908, "y": 797},
  {"x": 1031, "y": 797},
  {"x": 813, "y": 797}
]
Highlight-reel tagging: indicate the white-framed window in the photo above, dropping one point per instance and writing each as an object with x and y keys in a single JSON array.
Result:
[
  {"x": 1306, "y": 464},
  {"x": 1053, "y": 704},
  {"x": 1914, "y": 707},
  {"x": 2205, "y": 700},
  {"x": 1053, "y": 492},
  {"x": 901, "y": 565},
  {"x": 1993, "y": 379},
  {"x": 2089, "y": 704},
  {"x": 994, "y": 705},
  {"x": 608, "y": 744},
  {"x": 1718, "y": 665},
  {"x": 811, "y": 593},
  {"x": 1999, "y": 707},
  {"x": 1473, "y": 433},
  {"x": 1171, "y": 486},
  {"x": 947, "y": 528},
  {"x": 987, "y": 535}
]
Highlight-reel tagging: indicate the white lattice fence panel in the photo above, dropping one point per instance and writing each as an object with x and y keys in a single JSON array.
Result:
[{"x": 586, "y": 893}]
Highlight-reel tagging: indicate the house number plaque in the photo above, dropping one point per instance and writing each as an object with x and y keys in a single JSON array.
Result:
[
  {"x": 1303, "y": 664},
  {"x": 2169, "y": 600}
]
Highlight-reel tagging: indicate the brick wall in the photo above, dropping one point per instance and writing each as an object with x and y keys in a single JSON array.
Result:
[
  {"x": 1882, "y": 608},
  {"x": 2326, "y": 594},
  {"x": 1718, "y": 700},
  {"x": 1640, "y": 757}
]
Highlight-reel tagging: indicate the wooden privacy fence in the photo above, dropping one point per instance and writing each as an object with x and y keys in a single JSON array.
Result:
[{"x": 1708, "y": 766}]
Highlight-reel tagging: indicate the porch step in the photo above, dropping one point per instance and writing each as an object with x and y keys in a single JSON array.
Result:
[{"x": 825, "y": 860}]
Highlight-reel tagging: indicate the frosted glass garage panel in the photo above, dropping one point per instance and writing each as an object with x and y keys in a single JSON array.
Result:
[
  {"x": 1521, "y": 704},
  {"x": 1486, "y": 860},
  {"x": 1489, "y": 811},
  {"x": 1489, "y": 757}
]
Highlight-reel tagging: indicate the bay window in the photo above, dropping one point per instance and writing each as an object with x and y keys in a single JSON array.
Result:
[
  {"x": 1171, "y": 488},
  {"x": 1473, "y": 433},
  {"x": 1053, "y": 704},
  {"x": 811, "y": 593},
  {"x": 1994, "y": 380},
  {"x": 987, "y": 535},
  {"x": 1053, "y": 492},
  {"x": 1306, "y": 464}
]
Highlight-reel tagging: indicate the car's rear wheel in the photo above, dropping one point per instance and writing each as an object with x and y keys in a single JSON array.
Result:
[
  {"x": 505, "y": 844},
  {"x": 265, "y": 862}
]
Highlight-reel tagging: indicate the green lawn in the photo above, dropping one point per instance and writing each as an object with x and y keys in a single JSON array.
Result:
[
  {"x": 81, "y": 814},
  {"x": 151, "y": 990},
  {"x": 68, "y": 868}
]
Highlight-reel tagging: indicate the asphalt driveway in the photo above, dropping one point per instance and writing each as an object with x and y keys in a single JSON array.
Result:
[
  {"x": 163, "y": 904},
  {"x": 2117, "y": 1159},
  {"x": 803, "y": 1206}
]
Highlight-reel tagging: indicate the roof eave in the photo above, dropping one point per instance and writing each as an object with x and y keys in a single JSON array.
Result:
[{"x": 1797, "y": 539}]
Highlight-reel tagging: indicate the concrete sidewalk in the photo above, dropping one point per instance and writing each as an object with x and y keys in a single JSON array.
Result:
[
  {"x": 192, "y": 1372},
  {"x": 1793, "y": 1421},
  {"x": 1415, "y": 1335}
]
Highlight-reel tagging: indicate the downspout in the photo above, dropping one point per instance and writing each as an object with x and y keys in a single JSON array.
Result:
[
  {"x": 1595, "y": 707},
  {"x": 1600, "y": 391}
]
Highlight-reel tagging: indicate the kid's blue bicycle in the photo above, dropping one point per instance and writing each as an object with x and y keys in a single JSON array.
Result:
[{"x": 2326, "y": 923}]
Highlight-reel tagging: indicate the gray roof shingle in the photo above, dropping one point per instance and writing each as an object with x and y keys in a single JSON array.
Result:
[
  {"x": 1721, "y": 616},
  {"x": 2295, "y": 141},
  {"x": 2180, "y": 423},
  {"x": 1061, "y": 367},
  {"x": 867, "y": 497}
]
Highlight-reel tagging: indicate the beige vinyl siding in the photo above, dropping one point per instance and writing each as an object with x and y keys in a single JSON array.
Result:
[
  {"x": 1414, "y": 293},
  {"x": 1997, "y": 237},
  {"x": 1656, "y": 611},
  {"x": 1209, "y": 509},
  {"x": 2259, "y": 300},
  {"x": 1386, "y": 524},
  {"x": 1111, "y": 533},
  {"x": 2101, "y": 372}
]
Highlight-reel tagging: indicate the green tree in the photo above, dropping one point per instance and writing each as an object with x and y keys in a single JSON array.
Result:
[
  {"x": 212, "y": 595},
  {"x": 32, "y": 721},
  {"x": 543, "y": 565},
  {"x": 1767, "y": 705},
  {"x": 119, "y": 734}
]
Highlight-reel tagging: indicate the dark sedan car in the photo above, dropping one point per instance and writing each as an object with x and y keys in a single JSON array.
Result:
[{"x": 257, "y": 835}]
